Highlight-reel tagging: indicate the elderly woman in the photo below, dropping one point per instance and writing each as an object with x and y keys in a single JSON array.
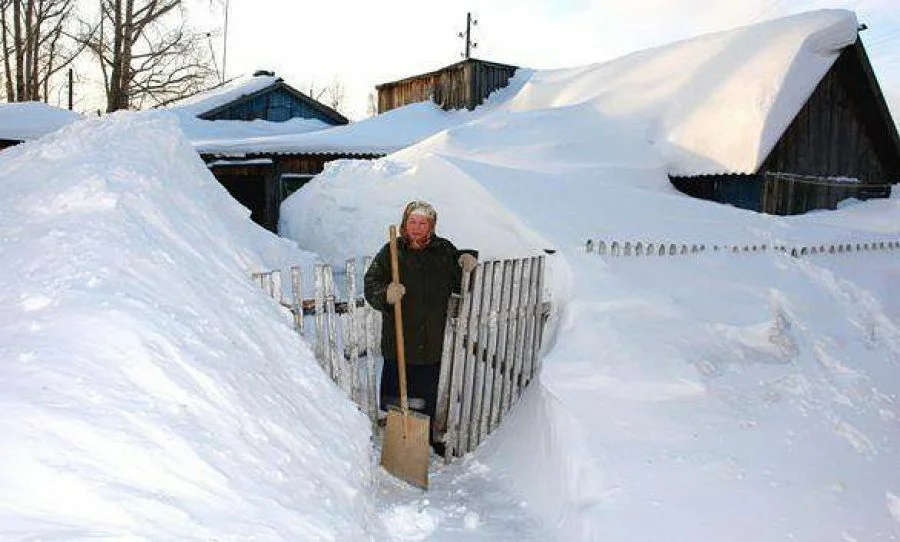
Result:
[{"x": 429, "y": 272}]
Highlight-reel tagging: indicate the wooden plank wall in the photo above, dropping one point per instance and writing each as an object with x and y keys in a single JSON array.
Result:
[
  {"x": 267, "y": 176},
  {"x": 832, "y": 135},
  {"x": 463, "y": 85}
]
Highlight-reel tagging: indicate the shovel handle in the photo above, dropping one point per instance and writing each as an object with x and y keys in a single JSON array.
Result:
[{"x": 398, "y": 322}]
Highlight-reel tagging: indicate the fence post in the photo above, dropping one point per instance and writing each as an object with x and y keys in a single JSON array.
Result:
[
  {"x": 479, "y": 347},
  {"x": 493, "y": 374},
  {"x": 451, "y": 438},
  {"x": 353, "y": 362},
  {"x": 297, "y": 298},
  {"x": 470, "y": 360},
  {"x": 336, "y": 361},
  {"x": 319, "y": 349},
  {"x": 502, "y": 373},
  {"x": 371, "y": 400}
]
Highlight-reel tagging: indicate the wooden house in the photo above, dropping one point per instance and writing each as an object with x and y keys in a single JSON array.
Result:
[
  {"x": 261, "y": 180},
  {"x": 842, "y": 143},
  {"x": 260, "y": 97},
  {"x": 464, "y": 85},
  {"x": 258, "y": 179}
]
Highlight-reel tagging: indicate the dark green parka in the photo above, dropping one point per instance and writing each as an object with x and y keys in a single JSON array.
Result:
[{"x": 429, "y": 275}]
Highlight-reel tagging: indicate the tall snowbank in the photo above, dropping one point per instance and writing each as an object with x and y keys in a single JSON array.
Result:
[{"x": 149, "y": 389}]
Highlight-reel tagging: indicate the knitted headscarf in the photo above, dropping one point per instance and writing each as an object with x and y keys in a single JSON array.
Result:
[{"x": 420, "y": 208}]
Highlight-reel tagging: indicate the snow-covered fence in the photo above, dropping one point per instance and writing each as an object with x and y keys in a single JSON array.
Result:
[
  {"x": 618, "y": 248},
  {"x": 491, "y": 350},
  {"x": 492, "y": 341},
  {"x": 344, "y": 333}
]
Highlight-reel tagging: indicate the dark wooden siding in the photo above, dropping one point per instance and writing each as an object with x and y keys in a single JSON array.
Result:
[
  {"x": 839, "y": 131},
  {"x": 743, "y": 191},
  {"x": 258, "y": 186},
  {"x": 784, "y": 195},
  {"x": 776, "y": 194},
  {"x": 249, "y": 185},
  {"x": 464, "y": 85},
  {"x": 6, "y": 143},
  {"x": 277, "y": 105},
  {"x": 843, "y": 130}
]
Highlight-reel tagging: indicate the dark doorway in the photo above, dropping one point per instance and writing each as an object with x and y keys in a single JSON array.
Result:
[{"x": 250, "y": 191}]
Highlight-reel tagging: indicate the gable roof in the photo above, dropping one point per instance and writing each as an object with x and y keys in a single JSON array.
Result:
[
  {"x": 207, "y": 104},
  {"x": 716, "y": 103},
  {"x": 24, "y": 121}
]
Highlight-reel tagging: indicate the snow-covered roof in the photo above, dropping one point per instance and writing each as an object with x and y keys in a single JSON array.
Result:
[
  {"x": 210, "y": 134},
  {"x": 382, "y": 134},
  {"x": 30, "y": 120},
  {"x": 204, "y": 102},
  {"x": 712, "y": 104},
  {"x": 717, "y": 103}
]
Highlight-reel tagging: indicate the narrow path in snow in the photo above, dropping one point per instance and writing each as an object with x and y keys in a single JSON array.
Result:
[{"x": 465, "y": 501}]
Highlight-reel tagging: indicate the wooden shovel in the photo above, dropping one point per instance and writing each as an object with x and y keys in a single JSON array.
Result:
[{"x": 405, "y": 451}]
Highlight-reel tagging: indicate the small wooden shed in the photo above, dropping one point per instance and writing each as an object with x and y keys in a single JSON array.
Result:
[
  {"x": 842, "y": 143},
  {"x": 464, "y": 85}
]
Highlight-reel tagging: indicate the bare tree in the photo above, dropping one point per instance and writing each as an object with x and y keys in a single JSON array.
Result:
[
  {"x": 335, "y": 94},
  {"x": 332, "y": 95},
  {"x": 147, "y": 53},
  {"x": 372, "y": 105},
  {"x": 35, "y": 45}
]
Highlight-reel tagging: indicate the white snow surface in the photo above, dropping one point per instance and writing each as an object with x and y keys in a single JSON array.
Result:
[
  {"x": 718, "y": 396},
  {"x": 717, "y": 103},
  {"x": 712, "y": 104},
  {"x": 24, "y": 121},
  {"x": 150, "y": 391}
]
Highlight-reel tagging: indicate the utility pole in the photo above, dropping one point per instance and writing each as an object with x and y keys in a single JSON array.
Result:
[
  {"x": 71, "y": 93},
  {"x": 225, "y": 42},
  {"x": 470, "y": 22}
]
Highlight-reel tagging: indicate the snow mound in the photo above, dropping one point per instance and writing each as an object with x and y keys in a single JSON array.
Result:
[{"x": 150, "y": 390}]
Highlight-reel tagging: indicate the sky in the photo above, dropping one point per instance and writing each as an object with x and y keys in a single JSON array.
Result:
[
  {"x": 365, "y": 44},
  {"x": 152, "y": 391}
]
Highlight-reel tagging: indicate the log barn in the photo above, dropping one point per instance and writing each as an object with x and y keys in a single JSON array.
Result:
[
  {"x": 464, "y": 85},
  {"x": 842, "y": 143}
]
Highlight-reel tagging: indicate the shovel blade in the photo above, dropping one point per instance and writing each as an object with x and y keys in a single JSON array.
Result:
[{"x": 405, "y": 452}]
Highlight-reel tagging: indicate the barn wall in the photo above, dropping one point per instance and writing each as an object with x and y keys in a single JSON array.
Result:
[
  {"x": 464, "y": 85},
  {"x": 837, "y": 133}
]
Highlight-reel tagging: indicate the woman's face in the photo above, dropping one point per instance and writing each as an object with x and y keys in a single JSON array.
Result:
[{"x": 418, "y": 229}]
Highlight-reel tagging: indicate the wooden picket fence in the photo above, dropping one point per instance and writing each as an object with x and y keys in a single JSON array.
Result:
[
  {"x": 492, "y": 341},
  {"x": 638, "y": 248},
  {"x": 491, "y": 352},
  {"x": 345, "y": 334}
]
